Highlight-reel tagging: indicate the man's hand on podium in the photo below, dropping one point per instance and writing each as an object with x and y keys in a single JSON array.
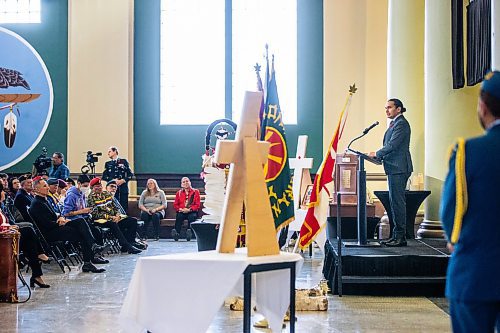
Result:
[{"x": 372, "y": 154}]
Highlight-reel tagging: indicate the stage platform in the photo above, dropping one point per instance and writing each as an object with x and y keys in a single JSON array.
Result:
[{"x": 418, "y": 269}]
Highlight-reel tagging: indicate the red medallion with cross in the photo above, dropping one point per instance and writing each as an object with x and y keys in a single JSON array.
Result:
[{"x": 277, "y": 156}]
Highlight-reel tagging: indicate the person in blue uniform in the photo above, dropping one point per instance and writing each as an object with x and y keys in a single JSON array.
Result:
[
  {"x": 470, "y": 213},
  {"x": 118, "y": 170},
  {"x": 396, "y": 158}
]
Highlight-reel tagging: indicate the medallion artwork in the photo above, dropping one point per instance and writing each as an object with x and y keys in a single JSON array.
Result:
[{"x": 26, "y": 98}]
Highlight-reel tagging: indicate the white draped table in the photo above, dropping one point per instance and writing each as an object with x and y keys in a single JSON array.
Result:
[{"x": 183, "y": 292}]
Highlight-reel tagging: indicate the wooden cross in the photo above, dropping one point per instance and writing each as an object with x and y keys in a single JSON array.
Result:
[
  {"x": 246, "y": 184},
  {"x": 301, "y": 174}
]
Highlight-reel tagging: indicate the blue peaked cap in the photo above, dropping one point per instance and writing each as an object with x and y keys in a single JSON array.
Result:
[{"x": 491, "y": 84}]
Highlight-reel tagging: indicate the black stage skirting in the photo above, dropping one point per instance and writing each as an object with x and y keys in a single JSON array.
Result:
[{"x": 418, "y": 269}]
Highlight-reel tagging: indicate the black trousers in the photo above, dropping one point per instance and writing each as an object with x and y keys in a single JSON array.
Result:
[
  {"x": 76, "y": 230},
  {"x": 115, "y": 230},
  {"x": 180, "y": 217},
  {"x": 397, "y": 187},
  {"x": 128, "y": 227},
  {"x": 29, "y": 244},
  {"x": 122, "y": 196},
  {"x": 155, "y": 218}
]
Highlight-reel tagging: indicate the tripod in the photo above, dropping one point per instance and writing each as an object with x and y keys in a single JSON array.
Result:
[{"x": 89, "y": 169}]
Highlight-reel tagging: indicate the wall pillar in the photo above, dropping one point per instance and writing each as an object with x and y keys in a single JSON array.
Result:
[
  {"x": 449, "y": 113},
  {"x": 405, "y": 69}
]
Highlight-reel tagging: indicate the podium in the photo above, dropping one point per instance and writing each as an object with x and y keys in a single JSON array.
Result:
[{"x": 361, "y": 198}]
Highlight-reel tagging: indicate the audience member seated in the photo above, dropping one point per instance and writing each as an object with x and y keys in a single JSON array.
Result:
[
  {"x": 53, "y": 196},
  {"x": 70, "y": 182},
  {"x": 58, "y": 228},
  {"x": 61, "y": 191},
  {"x": 75, "y": 207},
  {"x": 58, "y": 170},
  {"x": 152, "y": 204},
  {"x": 24, "y": 196},
  {"x": 4, "y": 179},
  {"x": 29, "y": 244},
  {"x": 14, "y": 186},
  {"x": 186, "y": 204},
  {"x": 105, "y": 212},
  {"x": 129, "y": 228}
]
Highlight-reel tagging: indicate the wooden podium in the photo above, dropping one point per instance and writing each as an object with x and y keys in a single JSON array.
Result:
[
  {"x": 9, "y": 247},
  {"x": 350, "y": 182},
  {"x": 346, "y": 168}
]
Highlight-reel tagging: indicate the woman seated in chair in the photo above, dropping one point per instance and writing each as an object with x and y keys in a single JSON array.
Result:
[
  {"x": 28, "y": 243},
  {"x": 152, "y": 204}
]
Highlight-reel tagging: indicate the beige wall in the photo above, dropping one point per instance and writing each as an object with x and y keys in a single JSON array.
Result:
[
  {"x": 355, "y": 51},
  {"x": 100, "y": 79}
]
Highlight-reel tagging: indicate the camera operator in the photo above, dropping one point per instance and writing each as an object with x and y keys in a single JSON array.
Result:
[
  {"x": 58, "y": 170},
  {"x": 118, "y": 170},
  {"x": 41, "y": 164}
]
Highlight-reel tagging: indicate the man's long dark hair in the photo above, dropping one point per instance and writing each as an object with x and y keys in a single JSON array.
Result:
[{"x": 398, "y": 104}]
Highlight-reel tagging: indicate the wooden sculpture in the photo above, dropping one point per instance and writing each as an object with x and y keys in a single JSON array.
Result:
[{"x": 246, "y": 184}]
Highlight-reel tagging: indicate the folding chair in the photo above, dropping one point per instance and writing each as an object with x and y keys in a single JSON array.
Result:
[{"x": 50, "y": 248}]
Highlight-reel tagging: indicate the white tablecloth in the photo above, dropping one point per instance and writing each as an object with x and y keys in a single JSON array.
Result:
[{"x": 183, "y": 292}]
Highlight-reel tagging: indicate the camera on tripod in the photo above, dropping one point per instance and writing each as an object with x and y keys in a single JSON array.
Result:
[
  {"x": 91, "y": 160},
  {"x": 92, "y": 157},
  {"x": 42, "y": 162}
]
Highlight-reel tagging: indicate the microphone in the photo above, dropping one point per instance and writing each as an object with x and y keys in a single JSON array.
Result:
[{"x": 368, "y": 129}]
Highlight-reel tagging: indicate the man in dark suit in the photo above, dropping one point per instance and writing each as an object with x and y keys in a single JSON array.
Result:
[
  {"x": 118, "y": 170},
  {"x": 470, "y": 213},
  {"x": 395, "y": 155},
  {"x": 24, "y": 196},
  {"x": 58, "y": 228}
]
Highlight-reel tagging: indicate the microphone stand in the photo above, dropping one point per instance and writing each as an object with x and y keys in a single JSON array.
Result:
[{"x": 361, "y": 184}]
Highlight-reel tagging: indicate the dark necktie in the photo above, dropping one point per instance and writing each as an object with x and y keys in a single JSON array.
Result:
[{"x": 391, "y": 124}]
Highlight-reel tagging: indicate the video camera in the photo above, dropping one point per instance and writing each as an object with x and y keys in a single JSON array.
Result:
[
  {"x": 92, "y": 157},
  {"x": 42, "y": 162}
]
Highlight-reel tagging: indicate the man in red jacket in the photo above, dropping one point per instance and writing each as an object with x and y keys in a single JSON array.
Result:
[{"x": 186, "y": 204}]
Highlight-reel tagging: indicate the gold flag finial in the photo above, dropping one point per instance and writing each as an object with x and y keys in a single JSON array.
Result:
[{"x": 352, "y": 89}]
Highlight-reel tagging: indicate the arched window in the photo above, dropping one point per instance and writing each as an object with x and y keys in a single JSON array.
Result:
[{"x": 195, "y": 71}]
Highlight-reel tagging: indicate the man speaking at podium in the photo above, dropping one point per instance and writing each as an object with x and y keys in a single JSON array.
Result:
[{"x": 395, "y": 155}]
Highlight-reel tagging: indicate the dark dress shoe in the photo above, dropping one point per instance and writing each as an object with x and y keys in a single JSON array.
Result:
[
  {"x": 139, "y": 245},
  {"x": 387, "y": 241},
  {"x": 34, "y": 281},
  {"x": 175, "y": 235},
  {"x": 99, "y": 261},
  {"x": 88, "y": 267},
  {"x": 130, "y": 249},
  {"x": 97, "y": 249},
  {"x": 397, "y": 243},
  {"x": 189, "y": 235}
]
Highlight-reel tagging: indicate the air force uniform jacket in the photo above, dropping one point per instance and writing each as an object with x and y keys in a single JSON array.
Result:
[{"x": 474, "y": 267}]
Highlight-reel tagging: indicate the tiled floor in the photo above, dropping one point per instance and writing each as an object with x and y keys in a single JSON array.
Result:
[{"x": 84, "y": 302}]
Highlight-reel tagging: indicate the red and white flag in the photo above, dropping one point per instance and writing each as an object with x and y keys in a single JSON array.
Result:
[{"x": 323, "y": 186}]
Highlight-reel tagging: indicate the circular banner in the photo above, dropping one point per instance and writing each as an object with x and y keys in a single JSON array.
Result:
[
  {"x": 26, "y": 98},
  {"x": 277, "y": 156}
]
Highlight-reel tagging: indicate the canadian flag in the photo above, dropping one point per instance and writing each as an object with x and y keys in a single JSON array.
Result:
[{"x": 323, "y": 186}]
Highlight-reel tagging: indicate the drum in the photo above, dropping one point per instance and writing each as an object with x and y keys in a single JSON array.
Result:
[{"x": 9, "y": 250}]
